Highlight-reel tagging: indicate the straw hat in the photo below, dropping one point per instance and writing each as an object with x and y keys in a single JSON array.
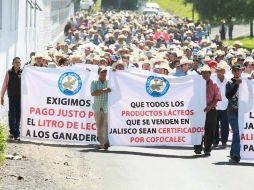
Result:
[
  {"x": 222, "y": 65},
  {"x": 207, "y": 59},
  {"x": 121, "y": 36},
  {"x": 165, "y": 65},
  {"x": 205, "y": 68},
  {"x": 120, "y": 62},
  {"x": 39, "y": 55},
  {"x": 184, "y": 61},
  {"x": 48, "y": 58}
]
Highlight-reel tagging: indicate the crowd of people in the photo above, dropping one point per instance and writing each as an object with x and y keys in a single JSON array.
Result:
[{"x": 162, "y": 44}]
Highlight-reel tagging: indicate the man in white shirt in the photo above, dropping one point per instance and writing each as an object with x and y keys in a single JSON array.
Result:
[{"x": 222, "y": 118}]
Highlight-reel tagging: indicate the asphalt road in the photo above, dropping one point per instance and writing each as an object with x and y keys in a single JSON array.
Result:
[
  {"x": 176, "y": 168},
  {"x": 240, "y": 30},
  {"x": 59, "y": 167}
]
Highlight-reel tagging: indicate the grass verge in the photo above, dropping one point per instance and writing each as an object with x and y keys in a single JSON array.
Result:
[
  {"x": 97, "y": 6},
  {"x": 2, "y": 142},
  {"x": 247, "y": 42},
  {"x": 177, "y": 7}
]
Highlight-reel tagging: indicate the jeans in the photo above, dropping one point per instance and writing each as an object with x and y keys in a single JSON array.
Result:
[
  {"x": 14, "y": 115},
  {"x": 223, "y": 125},
  {"x": 210, "y": 126},
  {"x": 235, "y": 146}
]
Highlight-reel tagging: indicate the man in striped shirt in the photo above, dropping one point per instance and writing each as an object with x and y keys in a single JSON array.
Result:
[{"x": 100, "y": 90}]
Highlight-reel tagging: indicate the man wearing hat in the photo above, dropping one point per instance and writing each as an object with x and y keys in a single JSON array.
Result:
[
  {"x": 232, "y": 94},
  {"x": 207, "y": 60},
  {"x": 100, "y": 90},
  {"x": 248, "y": 68},
  {"x": 110, "y": 40},
  {"x": 96, "y": 39},
  {"x": 145, "y": 65},
  {"x": 183, "y": 68},
  {"x": 39, "y": 60},
  {"x": 121, "y": 41},
  {"x": 103, "y": 62},
  {"x": 75, "y": 58},
  {"x": 213, "y": 96},
  {"x": 165, "y": 69},
  {"x": 222, "y": 118},
  {"x": 119, "y": 65}
]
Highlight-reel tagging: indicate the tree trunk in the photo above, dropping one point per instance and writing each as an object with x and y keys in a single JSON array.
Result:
[
  {"x": 193, "y": 12},
  {"x": 251, "y": 28}
]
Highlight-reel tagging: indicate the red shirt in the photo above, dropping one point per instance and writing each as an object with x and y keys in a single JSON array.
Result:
[{"x": 213, "y": 94}]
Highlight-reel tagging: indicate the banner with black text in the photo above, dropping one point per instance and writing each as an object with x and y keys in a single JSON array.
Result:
[
  {"x": 57, "y": 105},
  {"x": 246, "y": 119},
  {"x": 156, "y": 110}
]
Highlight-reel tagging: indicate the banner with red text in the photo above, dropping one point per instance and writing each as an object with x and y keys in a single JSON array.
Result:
[
  {"x": 156, "y": 110},
  {"x": 57, "y": 105},
  {"x": 246, "y": 118}
]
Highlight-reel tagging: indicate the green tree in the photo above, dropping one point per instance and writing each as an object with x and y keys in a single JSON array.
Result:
[
  {"x": 216, "y": 10},
  {"x": 248, "y": 13}
]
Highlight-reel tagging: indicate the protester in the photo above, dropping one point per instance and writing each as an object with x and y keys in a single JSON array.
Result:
[
  {"x": 161, "y": 44},
  {"x": 230, "y": 29},
  {"x": 222, "y": 129},
  {"x": 248, "y": 68},
  {"x": 39, "y": 60},
  {"x": 183, "y": 68},
  {"x": 120, "y": 65},
  {"x": 232, "y": 94},
  {"x": 213, "y": 96},
  {"x": 12, "y": 84},
  {"x": 223, "y": 30},
  {"x": 32, "y": 54},
  {"x": 145, "y": 65},
  {"x": 63, "y": 62},
  {"x": 165, "y": 69},
  {"x": 100, "y": 90}
]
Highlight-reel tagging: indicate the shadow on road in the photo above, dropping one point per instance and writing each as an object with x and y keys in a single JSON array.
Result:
[
  {"x": 169, "y": 147},
  {"x": 52, "y": 145},
  {"x": 142, "y": 154},
  {"x": 233, "y": 164}
]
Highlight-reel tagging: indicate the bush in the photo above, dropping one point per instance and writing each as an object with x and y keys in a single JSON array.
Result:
[{"x": 2, "y": 142}]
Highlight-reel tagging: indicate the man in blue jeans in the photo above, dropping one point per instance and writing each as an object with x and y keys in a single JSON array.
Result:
[
  {"x": 232, "y": 94},
  {"x": 12, "y": 84}
]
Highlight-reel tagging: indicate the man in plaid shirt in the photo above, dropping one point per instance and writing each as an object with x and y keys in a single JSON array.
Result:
[{"x": 100, "y": 90}]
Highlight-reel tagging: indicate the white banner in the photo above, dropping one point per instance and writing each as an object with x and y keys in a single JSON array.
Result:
[
  {"x": 246, "y": 118},
  {"x": 57, "y": 105},
  {"x": 156, "y": 110}
]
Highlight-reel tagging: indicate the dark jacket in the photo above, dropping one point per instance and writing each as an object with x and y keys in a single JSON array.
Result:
[
  {"x": 14, "y": 84},
  {"x": 232, "y": 94}
]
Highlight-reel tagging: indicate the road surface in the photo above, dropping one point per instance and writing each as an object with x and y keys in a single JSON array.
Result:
[
  {"x": 122, "y": 168},
  {"x": 240, "y": 30}
]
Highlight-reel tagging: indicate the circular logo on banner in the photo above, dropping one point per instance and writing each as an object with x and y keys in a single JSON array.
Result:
[
  {"x": 157, "y": 86},
  {"x": 69, "y": 83}
]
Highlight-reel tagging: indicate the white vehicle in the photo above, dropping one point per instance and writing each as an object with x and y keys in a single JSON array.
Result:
[
  {"x": 152, "y": 6},
  {"x": 86, "y": 4},
  {"x": 149, "y": 11}
]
